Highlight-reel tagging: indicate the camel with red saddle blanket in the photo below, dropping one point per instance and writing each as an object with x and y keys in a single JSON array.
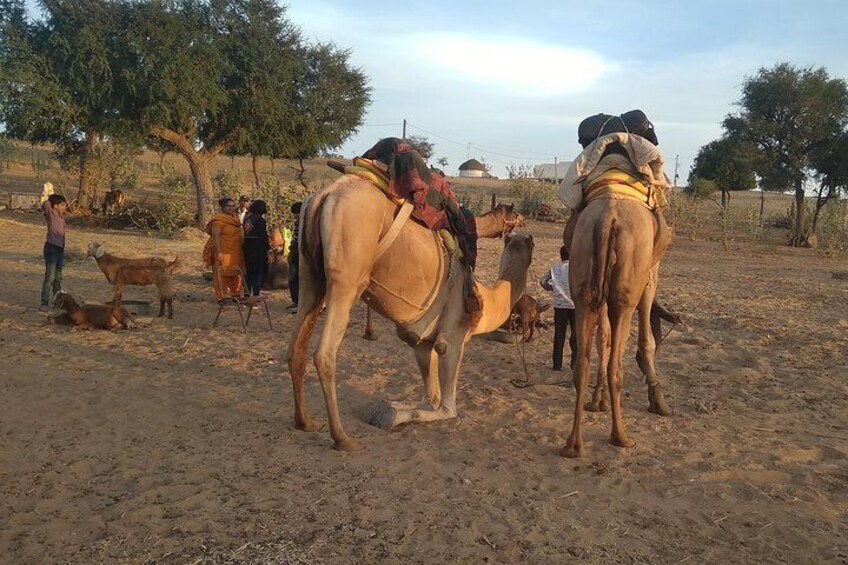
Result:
[{"x": 351, "y": 247}]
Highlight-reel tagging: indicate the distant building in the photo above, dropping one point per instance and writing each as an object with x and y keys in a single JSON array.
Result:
[
  {"x": 472, "y": 168},
  {"x": 550, "y": 172}
]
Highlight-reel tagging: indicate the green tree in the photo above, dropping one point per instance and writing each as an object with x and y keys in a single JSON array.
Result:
[
  {"x": 443, "y": 162},
  {"x": 831, "y": 165},
  {"x": 234, "y": 76},
  {"x": 728, "y": 163},
  {"x": 330, "y": 99},
  {"x": 790, "y": 115},
  {"x": 62, "y": 81}
]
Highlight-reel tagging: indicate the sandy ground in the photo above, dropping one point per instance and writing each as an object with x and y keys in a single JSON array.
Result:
[{"x": 174, "y": 443}]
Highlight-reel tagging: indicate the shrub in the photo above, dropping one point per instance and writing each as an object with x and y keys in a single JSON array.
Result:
[
  {"x": 279, "y": 197},
  {"x": 532, "y": 197},
  {"x": 701, "y": 188},
  {"x": 228, "y": 183},
  {"x": 476, "y": 205},
  {"x": 833, "y": 228},
  {"x": 172, "y": 210}
]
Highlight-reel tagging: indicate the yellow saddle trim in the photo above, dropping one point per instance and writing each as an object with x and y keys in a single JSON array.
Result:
[{"x": 615, "y": 182}]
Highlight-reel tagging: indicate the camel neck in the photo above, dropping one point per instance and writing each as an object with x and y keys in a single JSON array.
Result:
[{"x": 489, "y": 225}]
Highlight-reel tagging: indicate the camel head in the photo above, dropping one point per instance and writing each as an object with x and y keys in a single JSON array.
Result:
[
  {"x": 506, "y": 213},
  {"x": 95, "y": 250},
  {"x": 516, "y": 258}
]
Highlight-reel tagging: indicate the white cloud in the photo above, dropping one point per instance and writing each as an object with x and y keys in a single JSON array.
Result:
[{"x": 513, "y": 64}]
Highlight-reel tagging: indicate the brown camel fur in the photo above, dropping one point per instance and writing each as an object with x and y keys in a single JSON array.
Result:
[
  {"x": 341, "y": 227},
  {"x": 613, "y": 273},
  {"x": 501, "y": 220}
]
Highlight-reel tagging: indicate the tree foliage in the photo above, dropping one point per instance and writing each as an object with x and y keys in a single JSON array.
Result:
[
  {"x": 728, "y": 163},
  {"x": 62, "y": 81},
  {"x": 423, "y": 145},
  {"x": 790, "y": 115}
]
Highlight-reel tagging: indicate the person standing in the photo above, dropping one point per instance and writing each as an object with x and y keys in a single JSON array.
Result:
[
  {"x": 555, "y": 281},
  {"x": 243, "y": 205},
  {"x": 294, "y": 254},
  {"x": 256, "y": 246},
  {"x": 54, "y": 210}
]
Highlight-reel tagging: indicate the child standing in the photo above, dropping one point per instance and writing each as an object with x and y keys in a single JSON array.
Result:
[
  {"x": 555, "y": 281},
  {"x": 54, "y": 210}
]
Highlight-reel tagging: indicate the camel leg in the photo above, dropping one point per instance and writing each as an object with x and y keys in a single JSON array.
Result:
[
  {"x": 369, "y": 331},
  {"x": 428, "y": 365},
  {"x": 340, "y": 301},
  {"x": 602, "y": 344},
  {"x": 585, "y": 321},
  {"x": 119, "y": 295},
  {"x": 310, "y": 300},
  {"x": 448, "y": 368},
  {"x": 620, "y": 326},
  {"x": 649, "y": 328}
]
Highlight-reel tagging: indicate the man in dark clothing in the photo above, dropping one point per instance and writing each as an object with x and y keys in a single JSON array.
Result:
[
  {"x": 294, "y": 254},
  {"x": 54, "y": 210}
]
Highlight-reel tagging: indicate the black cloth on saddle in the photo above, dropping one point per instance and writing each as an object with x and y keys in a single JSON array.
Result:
[{"x": 634, "y": 121}]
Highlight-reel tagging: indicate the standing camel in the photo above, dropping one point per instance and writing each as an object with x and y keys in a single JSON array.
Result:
[
  {"x": 413, "y": 283},
  {"x": 501, "y": 220},
  {"x": 614, "y": 272}
]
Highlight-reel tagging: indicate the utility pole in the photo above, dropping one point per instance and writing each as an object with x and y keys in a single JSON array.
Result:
[
  {"x": 676, "y": 164},
  {"x": 404, "y": 129},
  {"x": 556, "y": 172}
]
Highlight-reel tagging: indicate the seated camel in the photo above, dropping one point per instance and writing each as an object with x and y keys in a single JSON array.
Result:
[{"x": 410, "y": 280}]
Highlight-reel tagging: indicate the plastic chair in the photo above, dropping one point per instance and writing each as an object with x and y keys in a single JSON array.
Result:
[{"x": 249, "y": 302}]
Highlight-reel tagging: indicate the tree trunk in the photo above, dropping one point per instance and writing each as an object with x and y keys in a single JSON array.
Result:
[
  {"x": 724, "y": 199},
  {"x": 822, "y": 199},
  {"x": 86, "y": 196},
  {"x": 198, "y": 162},
  {"x": 162, "y": 163},
  {"x": 799, "y": 236},
  {"x": 205, "y": 190},
  {"x": 272, "y": 165},
  {"x": 254, "y": 159},
  {"x": 301, "y": 174}
]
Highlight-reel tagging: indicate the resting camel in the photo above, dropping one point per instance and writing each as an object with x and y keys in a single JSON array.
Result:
[
  {"x": 413, "y": 283},
  {"x": 614, "y": 271},
  {"x": 501, "y": 220}
]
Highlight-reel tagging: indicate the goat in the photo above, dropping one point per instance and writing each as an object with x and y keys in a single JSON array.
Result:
[
  {"x": 113, "y": 201},
  {"x": 142, "y": 272},
  {"x": 525, "y": 315},
  {"x": 92, "y": 316}
]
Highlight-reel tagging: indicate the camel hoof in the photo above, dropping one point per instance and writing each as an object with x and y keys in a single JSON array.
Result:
[
  {"x": 571, "y": 451},
  {"x": 661, "y": 410},
  {"x": 347, "y": 444},
  {"x": 308, "y": 425},
  {"x": 381, "y": 415},
  {"x": 622, "y": 441},
  {"x": 369, "y": 336},
  {"x": 596, "y": 407}
]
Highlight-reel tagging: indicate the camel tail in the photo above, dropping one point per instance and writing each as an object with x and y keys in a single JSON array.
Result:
[
  {"x": 311, "y": 247},
  {"x": 604, "y": 240}
]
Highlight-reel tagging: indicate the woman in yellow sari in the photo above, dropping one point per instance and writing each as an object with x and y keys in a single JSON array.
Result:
[{"x": 225, "y": 248}]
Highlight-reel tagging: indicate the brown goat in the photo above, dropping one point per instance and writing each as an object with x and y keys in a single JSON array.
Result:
[
  {"x": 92, "y": 316},
  {"x": 142, "y": 272},
  {"x": 113, "y": 201},
  {"x": 525, "y": 315}
]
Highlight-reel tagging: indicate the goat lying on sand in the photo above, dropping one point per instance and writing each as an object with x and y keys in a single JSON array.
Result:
[
  {"x": 141, "y": 272},
  {"x": 92, "y": 316}
]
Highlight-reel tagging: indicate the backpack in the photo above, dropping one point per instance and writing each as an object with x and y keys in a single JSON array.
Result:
[{"x": 634, "y": 121}]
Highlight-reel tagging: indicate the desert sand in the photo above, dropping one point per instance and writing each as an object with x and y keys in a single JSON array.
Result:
[{"x": 174, "y": 443}]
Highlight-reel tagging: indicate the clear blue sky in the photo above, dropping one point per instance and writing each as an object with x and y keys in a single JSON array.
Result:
[{"x": 515, "y": 78}]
